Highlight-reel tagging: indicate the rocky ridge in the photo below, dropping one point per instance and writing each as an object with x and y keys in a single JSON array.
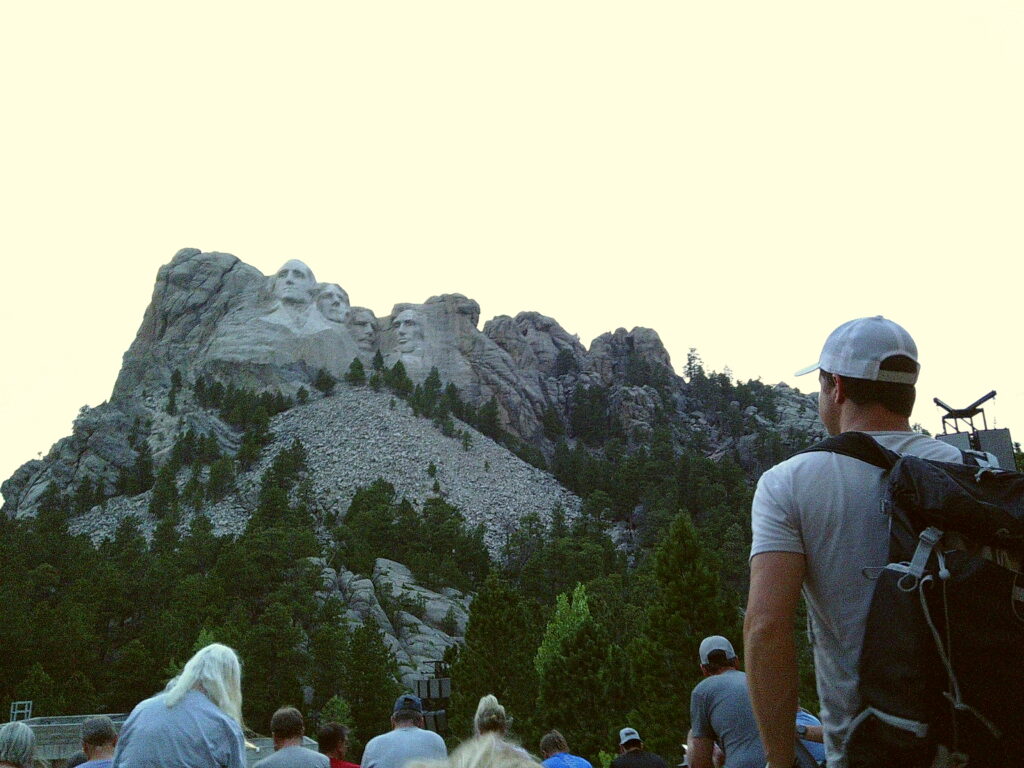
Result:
[{"x": 211, "y": 315}]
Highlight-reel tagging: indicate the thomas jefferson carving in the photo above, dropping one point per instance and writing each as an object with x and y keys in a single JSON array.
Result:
[{"x": 332, "y": 301}]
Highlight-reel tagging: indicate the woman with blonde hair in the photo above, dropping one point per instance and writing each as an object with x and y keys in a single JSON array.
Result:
[
  {"x": 487, "y": 751},
  {"x": 491, "y": 720},
  {"x": 195, "y": 723}
]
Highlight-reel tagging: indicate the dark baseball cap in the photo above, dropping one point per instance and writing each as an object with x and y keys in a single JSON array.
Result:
[{"x": 408, "y": 703}]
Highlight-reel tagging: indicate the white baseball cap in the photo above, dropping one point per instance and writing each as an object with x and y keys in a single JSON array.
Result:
[
  {"x": 858, "y": 347},
  {"x": 715, "y": 643},
  {"x": 628, "y": 734}
]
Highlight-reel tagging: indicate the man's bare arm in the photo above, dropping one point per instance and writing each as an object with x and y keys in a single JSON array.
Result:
[
  {"x": 700, "y": 751},
  {"x": 775, "y": 581},
  {"x": 814, "y": 733}
]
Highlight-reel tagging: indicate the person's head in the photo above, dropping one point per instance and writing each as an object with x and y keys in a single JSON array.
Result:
[
  {"x": 716, "y": 655},
  {"x": 293, "y": 282},
  {"x": 362, "y": 325},
  {"x": 332, "y": 301},
  {"x": 287, "y": 727},
  {"x": 408, "y": 712},
  {"x": 551, "y": 743},
  {"x": 409, "y": 332},
  {"x": 629, "y": 740},
  {"x": 490, "y": 717},
  {"x": 215, "y": 671},
  {"x": 332, "y": 739},
  {"x": 869, "y": 364},
  {"x": 489, "y": 751},
  {"x": 99, "y": 737},
  {"x": 17, "y": 744}
]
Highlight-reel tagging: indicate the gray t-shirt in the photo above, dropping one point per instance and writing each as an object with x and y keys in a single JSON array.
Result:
[
  {"x": 194, "y": 733},
  {"x": 294, "y": 757},
  {"x": 396, "y": 748},
  {"x": 720, "y": 710},
  {"x": 828, "y": 507}
]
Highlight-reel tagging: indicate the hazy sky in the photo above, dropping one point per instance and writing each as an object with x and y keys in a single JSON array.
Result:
[{"x": 740, "y": 176}]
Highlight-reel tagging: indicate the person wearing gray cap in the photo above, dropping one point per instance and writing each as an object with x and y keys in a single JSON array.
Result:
[
  {"x": 407, "y": 741},
  {"x": 720, "y": 711},
  {"x": 816, "y": 526},
  {"x": 632, "y": 753},
  {"x": 99, "y": 738}
]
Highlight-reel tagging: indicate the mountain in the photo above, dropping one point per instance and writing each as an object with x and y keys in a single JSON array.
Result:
[{"x": 230, "y": 369}]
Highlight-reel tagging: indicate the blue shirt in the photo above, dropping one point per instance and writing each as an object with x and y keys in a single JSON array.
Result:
[
  {"x": 565, "y": 760},
  {"x": 816, "y": 748},
  {"x": 194, "y": 733}
]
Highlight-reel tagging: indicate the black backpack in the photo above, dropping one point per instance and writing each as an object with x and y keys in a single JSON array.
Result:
[{"x": 942, "y": 665}]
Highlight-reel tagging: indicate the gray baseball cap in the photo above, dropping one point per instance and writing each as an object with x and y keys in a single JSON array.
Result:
[
  {"x": 858, "y": 347},
  {"x": 715, "y": 643}
]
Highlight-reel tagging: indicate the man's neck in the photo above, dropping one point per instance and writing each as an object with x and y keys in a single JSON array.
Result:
[
  {"x": 101, "y": 753},
  {"x": 282, "y": 743},
  {"x": 872, "y": 419}
]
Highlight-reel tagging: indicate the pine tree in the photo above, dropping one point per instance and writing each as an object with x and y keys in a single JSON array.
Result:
[
  {"x": 356, "y": 373},
  {"x": 501, "y": 642},
  {"x": 568, "y": 617},
  {"x": 221, "y": 480},
  {"x": 371, "y": 682},
  {"x": 584, "y": 688},
  {"x": 164, "y": 500},
  {"x": 687, "y": 604},
  {"x": 487, "y": 420},
  {"x": 324, "y": 382}
]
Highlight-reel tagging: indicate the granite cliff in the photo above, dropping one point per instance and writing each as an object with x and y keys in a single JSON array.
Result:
[{"x": 214, "y": 318}]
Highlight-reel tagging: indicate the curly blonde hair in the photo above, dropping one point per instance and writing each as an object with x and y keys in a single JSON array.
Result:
[{"x": 490, "y": 717}]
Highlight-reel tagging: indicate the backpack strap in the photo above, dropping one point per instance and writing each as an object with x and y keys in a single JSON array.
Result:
[{"x": 856, "y": 445}]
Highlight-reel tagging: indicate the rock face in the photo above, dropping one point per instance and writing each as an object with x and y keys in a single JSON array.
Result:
[
  {"x": 213, "y": 316},
  {"x": 418, "y": 624}
]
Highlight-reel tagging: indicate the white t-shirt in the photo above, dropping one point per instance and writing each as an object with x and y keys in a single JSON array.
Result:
[{"x": 828, "y": 507}]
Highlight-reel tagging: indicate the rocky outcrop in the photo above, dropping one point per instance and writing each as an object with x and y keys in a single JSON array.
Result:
[
  {"x": 628, "y": 357},
  {"x": 357, "y": 436},
  {"x": 418, "y": 624},
  {"x": 211, "y": 314}
]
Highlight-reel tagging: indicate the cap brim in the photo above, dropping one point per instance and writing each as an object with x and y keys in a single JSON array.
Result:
[{"x": 808, "y": 369}]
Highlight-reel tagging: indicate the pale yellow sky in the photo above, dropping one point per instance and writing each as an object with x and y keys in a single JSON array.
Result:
[{"x": 740, "y": 176}]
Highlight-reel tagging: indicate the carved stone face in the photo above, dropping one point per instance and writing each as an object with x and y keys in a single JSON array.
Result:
[
  {"x": 363, "y": 328},
  {"x": 332, "y": 301},
  {"x": 294, "y": 282},
  {"x": 410, "y": 331}
]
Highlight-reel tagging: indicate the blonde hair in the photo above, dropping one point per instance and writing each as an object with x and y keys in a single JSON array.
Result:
[
  {"x": 490, "y": 717},
  {"x": 487, "y": 751},
  {"x": 215, "y": 671}
]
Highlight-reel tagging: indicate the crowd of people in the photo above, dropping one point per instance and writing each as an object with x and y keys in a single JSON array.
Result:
[
  {"x": 196, "y": 722},
  {"x": 815, "y": 530}
]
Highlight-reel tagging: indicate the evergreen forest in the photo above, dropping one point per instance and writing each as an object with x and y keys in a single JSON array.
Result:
[{"x": 567, "y": 629}]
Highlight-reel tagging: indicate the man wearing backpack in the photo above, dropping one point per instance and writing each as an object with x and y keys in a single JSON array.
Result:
[{"x": 817, "y": 525}]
